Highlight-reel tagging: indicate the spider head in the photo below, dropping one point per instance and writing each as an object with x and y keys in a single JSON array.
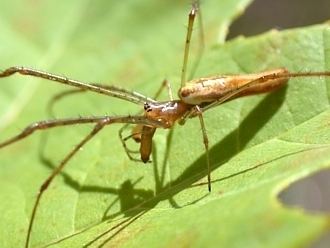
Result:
[{"x": 165, "y": 112}]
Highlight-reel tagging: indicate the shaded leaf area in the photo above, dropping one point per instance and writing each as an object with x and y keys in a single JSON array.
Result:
[{"x": 259, "y": 144}]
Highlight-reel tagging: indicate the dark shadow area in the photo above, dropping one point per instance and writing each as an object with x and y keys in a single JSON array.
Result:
[
  {"x": 128, "y": 197},
  {"x": 312, "y": 195},
  {"x": 263, "y": 15}
]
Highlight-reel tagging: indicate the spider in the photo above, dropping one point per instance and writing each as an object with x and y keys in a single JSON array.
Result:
[{"x": 194, "y": 98}]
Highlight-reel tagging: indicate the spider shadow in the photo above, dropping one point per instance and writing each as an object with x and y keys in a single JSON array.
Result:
[
  {"x": 127, "y": 194},
  {"x": 135, "y": 202},
  {"x": 258, "y": 117}
]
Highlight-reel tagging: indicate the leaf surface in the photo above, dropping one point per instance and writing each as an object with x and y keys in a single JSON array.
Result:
[{"x": 258, "y": 145}]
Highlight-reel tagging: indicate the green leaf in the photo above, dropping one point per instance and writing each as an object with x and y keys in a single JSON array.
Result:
[{"x": 258, "y": 145}]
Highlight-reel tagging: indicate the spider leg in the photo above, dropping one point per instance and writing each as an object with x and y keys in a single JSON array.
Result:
[
  {"x": 201, "y": 43},
  {"x": 191, "y": 19},
  {"x": 206, "y": 145},
  {"x": 56, "y": 171},
  {"x": 99, "y": 122},
  {"x": 113, "y": 91}
]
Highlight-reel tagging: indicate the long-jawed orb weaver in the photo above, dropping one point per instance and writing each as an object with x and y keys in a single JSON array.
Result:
[{"x": 195, "y": 97}]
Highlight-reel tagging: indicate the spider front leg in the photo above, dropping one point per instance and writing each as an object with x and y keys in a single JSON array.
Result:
[
  {"x": 135, "y": 135},
  {"x": 143, "y": 134}
]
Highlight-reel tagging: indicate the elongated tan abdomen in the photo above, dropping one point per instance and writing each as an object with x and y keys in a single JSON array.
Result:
[{"x": 213, "y": 88}]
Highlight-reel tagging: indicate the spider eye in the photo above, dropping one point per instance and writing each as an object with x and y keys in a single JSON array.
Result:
[{"x": 147, "y": 107}]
